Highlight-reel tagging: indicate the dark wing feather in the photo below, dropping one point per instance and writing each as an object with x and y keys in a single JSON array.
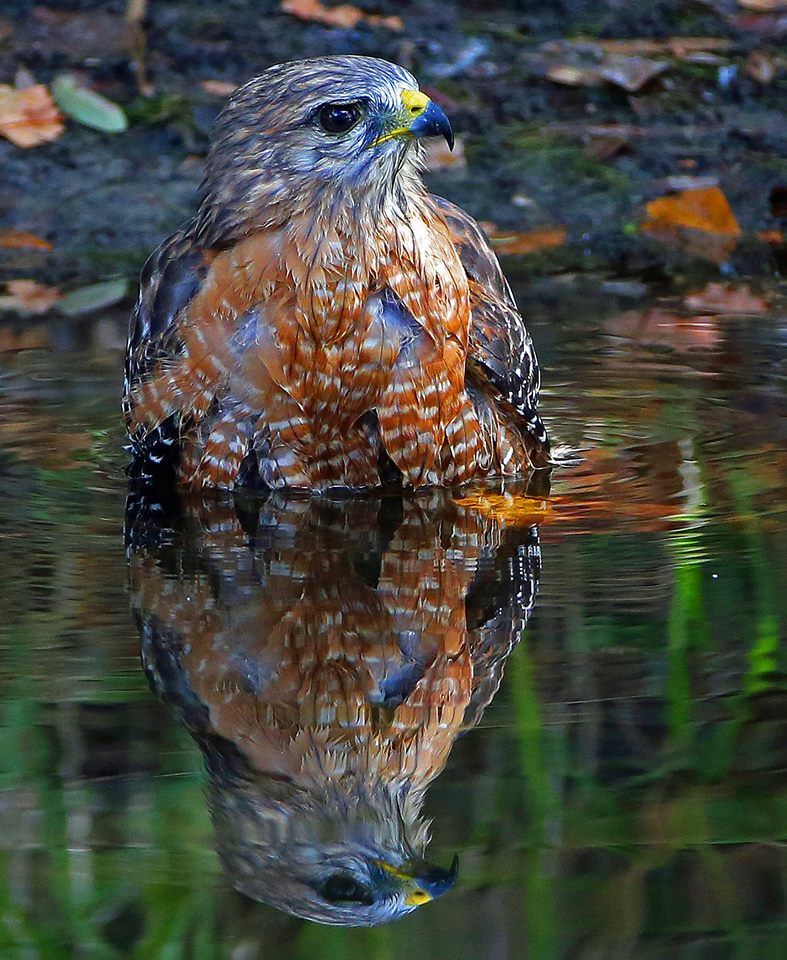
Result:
[
  {"x": 501, "y": 353},
  {"x": 170, "y": 278}
]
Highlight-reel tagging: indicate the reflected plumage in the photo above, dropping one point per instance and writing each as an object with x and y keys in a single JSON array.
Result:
[
  {"x": 324, "y": 321},
  {"x": 325, "y": 657}
]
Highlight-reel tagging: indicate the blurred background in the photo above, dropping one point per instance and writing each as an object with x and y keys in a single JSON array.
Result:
[{"x": 625, "y": 793}]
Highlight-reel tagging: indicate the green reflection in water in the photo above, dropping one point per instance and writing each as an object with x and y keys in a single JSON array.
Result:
[{"x": 625, "y": 794}]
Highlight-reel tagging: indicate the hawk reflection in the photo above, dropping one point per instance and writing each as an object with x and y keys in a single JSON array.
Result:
[{"x": 325, "y": 656}]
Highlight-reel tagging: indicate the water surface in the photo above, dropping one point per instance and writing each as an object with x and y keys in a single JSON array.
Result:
[{"x": 582, "y": 685}]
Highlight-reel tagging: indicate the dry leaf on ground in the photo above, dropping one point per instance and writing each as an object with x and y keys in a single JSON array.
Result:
[
  {"x": 630, "y": 73},
  {"x": 22, "y": 240},
  {"x": 29, "y": 117},
  {"x": 345, "y": 15},
  {"x": 219, "y": 88},
  {"x": 727, "y": 299},
  {"x": 760, "y": 67},
  {"x": 679, "y": 47},
  {"x": 571, "y": 75},
  {"x": 28, "y": 296},
  {"x": 529, "y": 242},
  {"x": 701, "y": 208}
]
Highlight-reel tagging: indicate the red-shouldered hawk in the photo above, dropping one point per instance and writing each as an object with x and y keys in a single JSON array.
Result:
[
  {"x": 325, "y": 656},
  {"x": 323, "y": 321}
]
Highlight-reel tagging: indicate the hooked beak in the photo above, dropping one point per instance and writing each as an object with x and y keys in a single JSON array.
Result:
[
  {"x": 421, "y": 881},
  {"x": 433, "y": 122},
  {"x": 421, "y": 118}
]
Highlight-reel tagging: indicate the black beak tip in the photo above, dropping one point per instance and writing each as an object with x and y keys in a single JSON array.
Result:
[{"x": 437, "y": 880}]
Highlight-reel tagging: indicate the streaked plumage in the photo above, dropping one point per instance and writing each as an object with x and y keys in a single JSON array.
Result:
[
  {"x": 324, "y": 321},
  {"x": 325, "y": 656}
]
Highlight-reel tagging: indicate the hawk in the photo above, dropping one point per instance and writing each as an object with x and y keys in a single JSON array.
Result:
[
  {"x": 324, "y": 321},
  {"x": 325, "y": 655}
]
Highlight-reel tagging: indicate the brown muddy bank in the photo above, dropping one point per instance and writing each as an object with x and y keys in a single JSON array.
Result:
[{"x": 551, "y": 137}]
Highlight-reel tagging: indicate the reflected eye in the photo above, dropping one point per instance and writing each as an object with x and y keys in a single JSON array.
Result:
[
  {"x": 342, "y": 888},
  {"x": 339, "y": 117}
]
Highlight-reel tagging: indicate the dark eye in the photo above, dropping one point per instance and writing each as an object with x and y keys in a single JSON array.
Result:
[
  {"x": 341, "y": 888},
  {"x": 339, "y": 117}
]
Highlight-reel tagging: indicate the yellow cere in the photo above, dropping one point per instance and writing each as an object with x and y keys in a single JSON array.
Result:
[
  {"x": 414, "y": 103},
  {"x": 416, "y": 896}
]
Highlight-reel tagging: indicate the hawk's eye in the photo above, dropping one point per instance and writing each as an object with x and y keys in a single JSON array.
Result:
[
  {"x": 342, "y": 888},
  {"x": 339, "y": 117}
]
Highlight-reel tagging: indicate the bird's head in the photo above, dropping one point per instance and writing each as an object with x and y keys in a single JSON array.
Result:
[
  {"x": 342, "y": 853},
  {"x": 319, "y": 133},
  {"x": 341, "y": 883}
]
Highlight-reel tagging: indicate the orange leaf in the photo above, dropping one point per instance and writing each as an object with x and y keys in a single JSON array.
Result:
[
  {"x": 27, "y": 296},
  {"x": 344, "y": 16},
  {"x": 727, "y": 299},
  {"x": 17, "y": 239},
  {"x": 29, "y": 116},
  {"x": 702, "y": 208},
  {"x": 530, "y": 242}
]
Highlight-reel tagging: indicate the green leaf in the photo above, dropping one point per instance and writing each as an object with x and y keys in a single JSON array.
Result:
[
  {"x": 92, "y": 298},
  {"x": 87, "y": 107}
]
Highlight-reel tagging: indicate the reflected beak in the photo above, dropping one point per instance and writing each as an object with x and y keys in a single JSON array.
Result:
[
  {"x": 421, "y": 117},
  {"x": 421, "y": 881}
]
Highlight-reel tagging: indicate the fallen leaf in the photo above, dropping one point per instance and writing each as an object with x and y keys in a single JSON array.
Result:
[
  {"x": 687, "y": 48},
  {"x": 575, "y": 76},
  {"x": 760, "y": 67},
  {"x": 529, "y": 242},
  {"x": 21, "y": 239},
  {"x": 763, "y": 6},
  {"x": 29, "y": 297},
  {"x": 440, "y": 157},
  {"x": 95, "y": 297},
  {"x": 630, "y": 73},
  {"x": 219, "y": 88},
  {"x": 29, "y": 117},
  {"x": 345, "y": 15},
  {"x": 701, "y": 208},
  {"x": 727, "y": 299},
  {"x": 86, "y": 106},
  {"x": 606, "y": 148}
]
